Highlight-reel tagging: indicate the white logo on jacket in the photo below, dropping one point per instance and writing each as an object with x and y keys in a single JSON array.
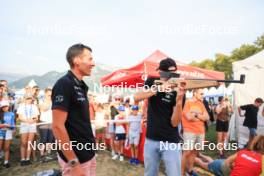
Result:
[{"x": 59, "y": 99}]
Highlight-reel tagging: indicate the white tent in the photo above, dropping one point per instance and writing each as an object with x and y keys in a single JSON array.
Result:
[
  {"x": 253, "y": 68},
  {"x": 221, "y": 90},
  {"x": 32, "y": 83},
  {"x": 212, "y": 92},
  {"x": 229, "y": 90}
]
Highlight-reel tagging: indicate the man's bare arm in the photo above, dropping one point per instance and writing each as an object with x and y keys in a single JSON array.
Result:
[
  {"x": 149, "y": 92},
  {"x": 144, "y": 94},
  {"x": 177, "y": 113},
  {"x": 190, "y": 116},
  {"x": 204, "y": 117},
  {"x": 59, "y": 118},
  {"x": 230, "y": 160},
  {"x": 239, "y": 111}
]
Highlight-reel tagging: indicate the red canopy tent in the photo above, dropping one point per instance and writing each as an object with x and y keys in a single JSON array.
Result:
[
  {"x": 147, "y": 68},
  {"x": 136, "y": 75}
]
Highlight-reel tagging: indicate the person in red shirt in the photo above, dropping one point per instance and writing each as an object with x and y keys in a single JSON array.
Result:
[
  {"x": 249, "y": 162},
  {"x": 246, "y": 162}
]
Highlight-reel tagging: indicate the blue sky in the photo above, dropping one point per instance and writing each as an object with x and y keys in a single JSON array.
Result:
[{"x": 35, "y": 34}]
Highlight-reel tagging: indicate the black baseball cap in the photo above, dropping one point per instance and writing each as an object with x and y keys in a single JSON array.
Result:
[{"x": 165, "y": 64}]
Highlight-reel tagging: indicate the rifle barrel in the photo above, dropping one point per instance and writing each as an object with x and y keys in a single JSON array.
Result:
[{"x": 241, "y": 81}]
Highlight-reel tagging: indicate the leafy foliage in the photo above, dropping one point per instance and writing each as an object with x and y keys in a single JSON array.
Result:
[{"x": 223, "y": 62}]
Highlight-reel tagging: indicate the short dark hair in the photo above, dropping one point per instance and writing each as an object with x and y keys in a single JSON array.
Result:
[
  {"x": 74, "y": 51},
  {"x": 220, "y": 98},
  {"x": 259, "y": 100}
]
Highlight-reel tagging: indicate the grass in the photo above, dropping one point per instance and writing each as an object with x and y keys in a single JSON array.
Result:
[
  {"x": 105, "y": 165},
  {"x": 211, "y": 136}
]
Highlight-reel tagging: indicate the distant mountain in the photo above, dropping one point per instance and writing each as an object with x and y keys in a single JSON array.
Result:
[
  {"x": 49, "y": 79},
  {"x": 10, "y": 77}
]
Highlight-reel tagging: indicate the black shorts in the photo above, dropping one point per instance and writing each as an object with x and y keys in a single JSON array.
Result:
[
  {"x": 222, "y": 126},
  {"x": 120, "y": 137}
]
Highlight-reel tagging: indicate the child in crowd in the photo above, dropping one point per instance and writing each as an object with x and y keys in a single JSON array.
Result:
[
  {"x": 100, "y": 124},
  {"x": 28, "y": 115},
  {"x": 120, "y": 133},
  {"x": 134, "y": 129},
  {"x": 7, "y": 125},
  {"x": 45, "y": 130},
  {"x": 111, "y": 126},
  {"x": 127, "y": 107}
]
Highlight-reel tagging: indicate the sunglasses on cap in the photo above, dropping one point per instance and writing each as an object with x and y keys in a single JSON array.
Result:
[{"x": 172, "y": 70}]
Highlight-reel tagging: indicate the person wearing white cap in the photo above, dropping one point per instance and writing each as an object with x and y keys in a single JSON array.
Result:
[
  {"x": 7, "y": 125},
  {"x": 27, "y": 114}
]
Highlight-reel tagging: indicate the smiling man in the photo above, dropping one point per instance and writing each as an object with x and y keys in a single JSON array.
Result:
[{"x": 71, "y": 118}]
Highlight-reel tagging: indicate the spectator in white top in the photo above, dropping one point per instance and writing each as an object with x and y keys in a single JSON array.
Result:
[
  {"x": 27, "y": 114},
  {"x": 45, "y": 130},
  {"x": 120, "y": 133},
  {"x": 100, "y": 123}
]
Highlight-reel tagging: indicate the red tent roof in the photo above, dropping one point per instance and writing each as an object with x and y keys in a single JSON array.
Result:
[{"x": 147, "y": 68}]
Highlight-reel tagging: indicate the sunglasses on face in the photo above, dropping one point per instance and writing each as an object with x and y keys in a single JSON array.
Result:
[{"x": 118, "y": 99}]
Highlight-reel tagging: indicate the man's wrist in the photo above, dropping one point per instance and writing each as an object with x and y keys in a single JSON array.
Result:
[{"x": 73, "y": 162}]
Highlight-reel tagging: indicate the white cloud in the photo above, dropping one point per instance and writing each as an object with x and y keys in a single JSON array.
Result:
[
  {"x": 19, "y": 52},
  {"x": 41, "y": 59}
]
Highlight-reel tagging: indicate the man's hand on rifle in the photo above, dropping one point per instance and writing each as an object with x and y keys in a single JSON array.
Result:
[{"x": 181, "y": 91}]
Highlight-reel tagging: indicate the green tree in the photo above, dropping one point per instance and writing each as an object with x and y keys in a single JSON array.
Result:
[
  {"x": 243, "y": 52},
  {"x": 260, "y": 42},
  {"x": 223, "y": 62},
  {"x": 195, "y": 64},
  {"x": 206, "y": 64}
]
